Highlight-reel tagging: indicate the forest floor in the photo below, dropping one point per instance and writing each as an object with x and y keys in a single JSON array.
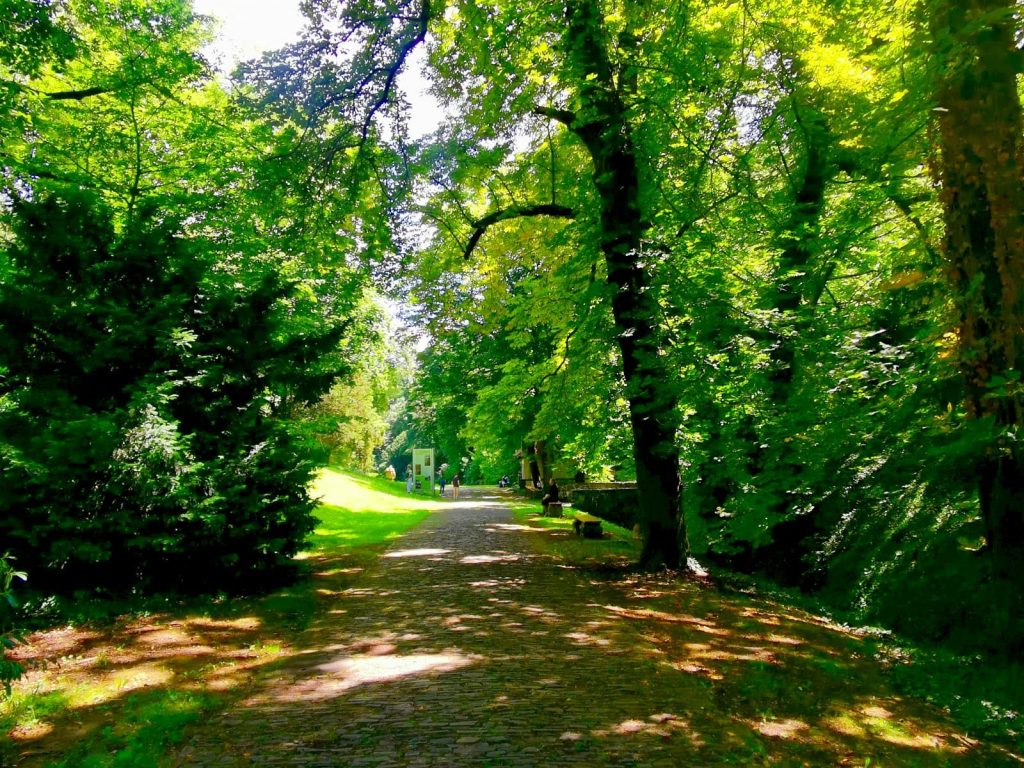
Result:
[{"x": 483, "y": 636}]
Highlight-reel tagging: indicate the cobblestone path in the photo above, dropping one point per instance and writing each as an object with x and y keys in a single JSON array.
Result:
[{"x": 464, "y": 647}]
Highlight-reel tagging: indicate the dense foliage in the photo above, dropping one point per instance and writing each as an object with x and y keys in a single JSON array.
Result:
[
  {"x": 809, "y": 178},
  {"x": 10, "y": 670},
  {"x": 166, "y": 315},
  {"x": 763, "y": 257},
  {"x": 138, "y": 443}
]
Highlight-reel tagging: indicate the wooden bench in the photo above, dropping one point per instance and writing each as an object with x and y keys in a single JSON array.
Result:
[
  {"x": 553, "y": 509},
  {"x": 586, "y": 525}
]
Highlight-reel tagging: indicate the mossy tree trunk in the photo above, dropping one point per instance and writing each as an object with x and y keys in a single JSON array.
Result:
[
  {"x": 980, "y": 130},
  {"x": 601, "y": 124}
]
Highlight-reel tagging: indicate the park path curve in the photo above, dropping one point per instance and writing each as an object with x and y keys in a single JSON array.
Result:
[{"x": 465, "y": 646}]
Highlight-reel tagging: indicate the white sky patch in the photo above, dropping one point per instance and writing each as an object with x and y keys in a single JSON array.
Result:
[
  {"x": 247, "y": 28},
  {"x": 250, "y": 27},
  {"x": 426, "y": 113}
]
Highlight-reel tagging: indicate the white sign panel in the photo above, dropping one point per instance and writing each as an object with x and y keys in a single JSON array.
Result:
[{"x": 423, "y": 469}]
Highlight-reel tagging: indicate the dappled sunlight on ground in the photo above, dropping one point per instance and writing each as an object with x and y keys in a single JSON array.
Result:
[
  {"x": 872, "y": 720},
  {"x": 31, "y": 732},
  {"x": 497, "y": 557},
  {"x": 470, "y": 504},
  {"x": 470, "y": 643},
  {"x": 343, "y": 674},
  {"x": 514, "y": 528},
  {"x": 780, "y": 729},
  {"x": 424, "y": 552},
  {"x": 90, "y": 682},
  {"x": 83, "y": 680}
]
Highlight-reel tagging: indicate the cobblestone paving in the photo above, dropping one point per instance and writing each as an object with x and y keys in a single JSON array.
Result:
[{"x": 463, "y": 647}]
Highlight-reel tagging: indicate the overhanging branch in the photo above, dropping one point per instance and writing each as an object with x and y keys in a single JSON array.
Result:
[
  {"x": 561, "y": 115},
  {"x": 391, "y": 72},
  {"x": 85, "y": 93},
  {"x": 480, "y": 226}
]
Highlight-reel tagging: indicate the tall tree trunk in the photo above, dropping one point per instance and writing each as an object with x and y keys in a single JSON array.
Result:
[
  {"x": 602, "y": 125},
  {"x": 783, "y": 557},
  {"x": 980, "y": 129},
  {"x": 540, "y": 450},
  {"x": 790, "y": 284},
  {"x": 792, "y": 275}
]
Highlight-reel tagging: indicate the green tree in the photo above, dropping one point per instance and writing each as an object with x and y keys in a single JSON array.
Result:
[
  {"x": 138, "y": 438},
  {"x": 980, "y": 127},
  {"x": 10, "y": 671}
]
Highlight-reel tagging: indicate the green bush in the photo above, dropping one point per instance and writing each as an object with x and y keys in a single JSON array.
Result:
[
  {"x": 140, "y": 383},
  {"x": 9, "y": 636}
]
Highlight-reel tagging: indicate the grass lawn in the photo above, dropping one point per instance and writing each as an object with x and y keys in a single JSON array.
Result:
[
  {"x": 357, "y": 511},
  {"x": 118, "y": 684},
  {"x": 617, "y": 547}
]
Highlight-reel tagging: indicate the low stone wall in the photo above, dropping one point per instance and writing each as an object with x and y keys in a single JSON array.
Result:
[{"x": 617, "y": 503}]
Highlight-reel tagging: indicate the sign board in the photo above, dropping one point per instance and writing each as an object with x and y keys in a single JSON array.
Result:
[{"x": 423, "y": 469}]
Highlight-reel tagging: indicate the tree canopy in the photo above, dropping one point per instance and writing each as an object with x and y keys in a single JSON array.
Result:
[{"x": 761, "y": 257}]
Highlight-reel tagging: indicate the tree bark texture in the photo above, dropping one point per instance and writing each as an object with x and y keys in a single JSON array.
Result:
[
  {"x": 791, "y": 537},
  {"x": 792, "y": 275},
  {"x": 602, "y": 125},
  {"x": 980, "y": 131}
]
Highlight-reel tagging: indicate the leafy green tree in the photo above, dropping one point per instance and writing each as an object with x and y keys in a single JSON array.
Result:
[
  {"x": 139, "y": 444},
  {"x": 599, "y": 84},
  {"x": 980, "y": 127},
  {"x": 33, "y": 34},
  {"x": 351, "y": 421},
  {"x": 10, "y": 671},
  {"x": 116, "y": 117},
  {"x": 782, "y": 268}
]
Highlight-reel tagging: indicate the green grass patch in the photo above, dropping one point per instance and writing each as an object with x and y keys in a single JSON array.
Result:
[
  {"x": 984, "y": 695},
  {"x": 357, "y": 511},
  {"x": 617, "y": 546},
  {"x": 147, "y": 726},
  {"x": 26, "y": 710}
]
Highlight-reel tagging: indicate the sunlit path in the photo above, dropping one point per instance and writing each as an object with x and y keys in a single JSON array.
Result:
[{"x": 462, "y": 646}]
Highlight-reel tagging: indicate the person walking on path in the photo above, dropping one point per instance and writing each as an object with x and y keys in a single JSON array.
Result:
[
  {"x": 441, "y": 481},
  {"x": 456, "y": 482},
  {"x": 409, "y": 482}
]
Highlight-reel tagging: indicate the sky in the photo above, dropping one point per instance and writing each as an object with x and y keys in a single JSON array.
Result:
[{"x": 249, "y": 27}]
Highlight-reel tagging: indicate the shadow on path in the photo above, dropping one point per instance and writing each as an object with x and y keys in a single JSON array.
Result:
[{"x": 463, "y": 646}]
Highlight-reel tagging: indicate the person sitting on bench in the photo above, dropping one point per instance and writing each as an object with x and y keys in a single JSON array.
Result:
[{"x": 551, "y": 496}]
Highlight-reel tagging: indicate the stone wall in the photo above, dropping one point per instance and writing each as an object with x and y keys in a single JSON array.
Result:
[{"x": 617, "y": 503}]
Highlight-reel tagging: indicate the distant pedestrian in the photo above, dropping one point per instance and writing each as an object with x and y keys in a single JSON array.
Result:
[
  {"x": 409, "y": 481},
  {"x": 456, "y": 482},
  {"x": 441, "y": 481}
]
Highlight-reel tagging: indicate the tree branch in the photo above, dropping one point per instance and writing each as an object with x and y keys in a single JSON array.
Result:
[
  {"x": 392, "y": 71},
  {"x": 480, "y": 226},
  {"x": 77, "y": 95},
  {"x": 905, "y": 206},
  {"x": 561, "y": 115}
]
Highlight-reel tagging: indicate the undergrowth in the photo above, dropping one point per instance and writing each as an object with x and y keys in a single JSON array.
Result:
[
  {"x": 984, "y": 694},
  {"x": 147, "y": 725},
  {"x": 357, "y": 516}
]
